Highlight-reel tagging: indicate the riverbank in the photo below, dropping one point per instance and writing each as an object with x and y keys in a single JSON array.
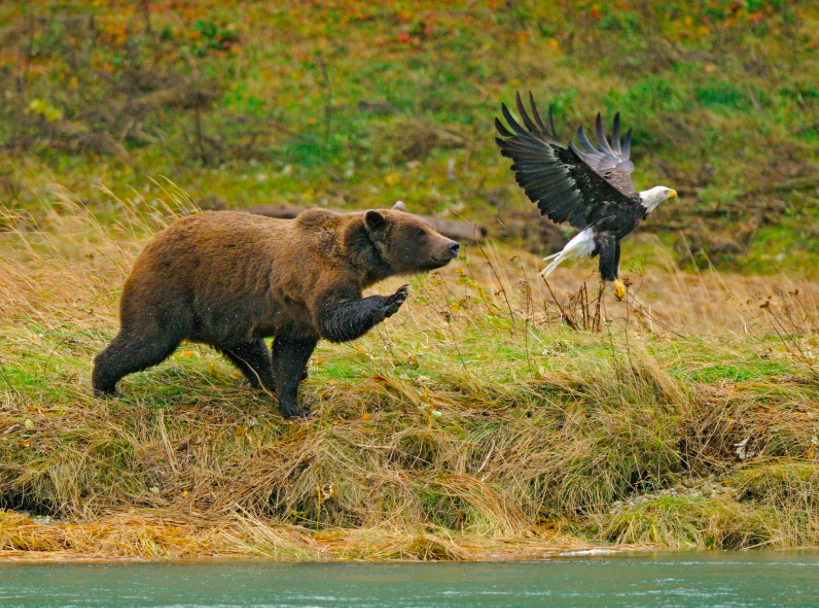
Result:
[
  {"x": 165, "y": 535},
  {"x": 495, "y": 417}
]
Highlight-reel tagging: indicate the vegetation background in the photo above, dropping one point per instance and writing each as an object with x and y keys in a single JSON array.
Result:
[
  {"x": 351, "y": 103},
  {"x": 497, "y": 415}
]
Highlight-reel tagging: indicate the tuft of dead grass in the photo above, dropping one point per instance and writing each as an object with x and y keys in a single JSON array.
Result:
[
  {"x": 160, "y": 535},
  {"x": 497, "y": 416}
]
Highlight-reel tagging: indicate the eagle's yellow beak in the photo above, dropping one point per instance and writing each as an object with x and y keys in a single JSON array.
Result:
[{"x": 672, "y": 194}]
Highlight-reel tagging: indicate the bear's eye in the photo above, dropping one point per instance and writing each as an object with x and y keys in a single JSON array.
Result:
[{"x": 419, "y": 233}]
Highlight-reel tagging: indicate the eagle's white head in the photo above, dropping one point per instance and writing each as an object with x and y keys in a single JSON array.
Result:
[{"x": 656, "y": 195}]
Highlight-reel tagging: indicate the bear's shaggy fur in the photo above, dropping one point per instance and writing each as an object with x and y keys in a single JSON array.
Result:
[{"x": 231, "y": 279}]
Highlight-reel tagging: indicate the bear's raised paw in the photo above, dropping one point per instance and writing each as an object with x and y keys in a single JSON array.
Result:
[{"x": 394, "y": 302}]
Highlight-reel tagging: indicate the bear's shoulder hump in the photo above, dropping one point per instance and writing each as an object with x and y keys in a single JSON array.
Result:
[{"x": 313, "y": 219}]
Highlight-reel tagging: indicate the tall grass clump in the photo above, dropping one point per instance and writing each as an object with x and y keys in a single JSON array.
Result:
[{"x": 496, "y": 415}]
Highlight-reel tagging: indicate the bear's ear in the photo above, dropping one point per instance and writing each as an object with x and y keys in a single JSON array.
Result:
[
  {"x": 400, "y": 206},
  {"x": 374, "y": 221}
]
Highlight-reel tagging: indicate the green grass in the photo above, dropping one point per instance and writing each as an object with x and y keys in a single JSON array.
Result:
[{"x": 550, "y": 439}]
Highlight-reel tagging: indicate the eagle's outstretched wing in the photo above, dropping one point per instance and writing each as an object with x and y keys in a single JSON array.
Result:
[{"x": 581, "y": 187}]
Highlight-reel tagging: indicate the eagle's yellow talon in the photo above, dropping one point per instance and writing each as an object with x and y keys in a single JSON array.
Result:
[{"x": 619, "y": 290}]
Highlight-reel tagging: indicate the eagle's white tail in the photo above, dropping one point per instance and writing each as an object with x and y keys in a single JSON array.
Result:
[{"x": 581, "y": 246}]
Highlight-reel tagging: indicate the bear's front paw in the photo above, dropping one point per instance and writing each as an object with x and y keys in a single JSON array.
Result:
[
  {"x": 296, "y": 412},
  {"x": 393, "y": 303}
]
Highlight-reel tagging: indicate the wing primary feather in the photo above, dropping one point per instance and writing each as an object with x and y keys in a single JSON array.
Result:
[
  {"x": 584, "y": 141},
  {"x": 602, "y": 142},
  {"x": 524, "y": 116},
  {"x": 502, "y": 130},
  {"x": 539, "y": 173},
  {"x": 574, "y": 149},
  {"x": 523, "y": 149},
  {"x": 535, "y": 165},
  {"x": 551, "y": 122},
  {"x": 512, "y": 122},
  {"x": 536, "y": 114},
  {"x": 627, "y": 144},
  {"x": 615, "y": 133},
  {"x": 551, "y": 182}
]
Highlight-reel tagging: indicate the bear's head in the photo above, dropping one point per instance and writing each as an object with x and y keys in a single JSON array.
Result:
[{"x": 406, "y": 242}]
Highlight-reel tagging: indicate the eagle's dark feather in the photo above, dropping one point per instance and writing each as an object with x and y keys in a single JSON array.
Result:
[{"x": 584, "y": 187}]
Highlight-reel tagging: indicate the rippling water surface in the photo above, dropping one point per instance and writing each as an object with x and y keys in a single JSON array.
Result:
[{"x": 670, "y": 580}]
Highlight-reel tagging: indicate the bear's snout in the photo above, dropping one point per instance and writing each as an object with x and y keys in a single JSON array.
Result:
[{"x": 445, "y": 251}]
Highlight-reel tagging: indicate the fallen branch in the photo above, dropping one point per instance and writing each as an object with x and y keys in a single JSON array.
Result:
[{"x": 453, "y": 229}]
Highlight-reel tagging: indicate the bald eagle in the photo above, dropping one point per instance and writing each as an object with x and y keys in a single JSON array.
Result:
[{"x": 589, "y": 188}]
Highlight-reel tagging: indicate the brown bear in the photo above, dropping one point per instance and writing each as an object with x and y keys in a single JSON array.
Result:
[{"x": 231, "y": 279}]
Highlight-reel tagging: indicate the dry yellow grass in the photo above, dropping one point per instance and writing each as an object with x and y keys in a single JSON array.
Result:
[{"x": 160, "y": 535}]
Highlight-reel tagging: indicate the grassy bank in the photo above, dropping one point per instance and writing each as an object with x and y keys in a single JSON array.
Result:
[
  {"x": 495, "y": 416},
  {"x": 354, "y": 103}
]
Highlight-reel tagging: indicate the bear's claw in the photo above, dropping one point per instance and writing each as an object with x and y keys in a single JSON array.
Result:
[{"x": 395, "y": 301}]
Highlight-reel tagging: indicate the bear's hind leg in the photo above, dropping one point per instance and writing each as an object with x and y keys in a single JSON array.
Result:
[
  {"x": 289, "y": 363},
  {"x": 127, "y": 354},
  {"x": 253, "y": 360}
]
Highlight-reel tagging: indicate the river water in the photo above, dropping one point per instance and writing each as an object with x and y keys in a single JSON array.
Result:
[{"x": 683, "y": 580}]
